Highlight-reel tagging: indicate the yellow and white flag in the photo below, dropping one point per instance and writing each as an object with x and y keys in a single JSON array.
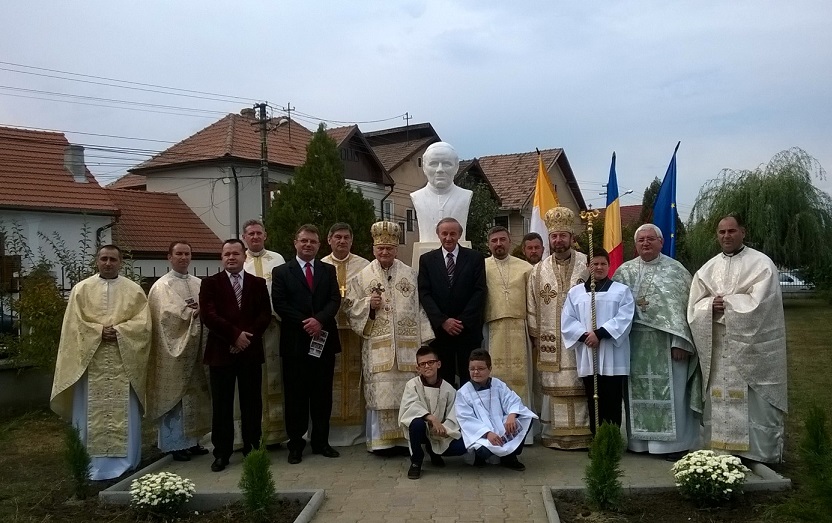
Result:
[{"x": 545, "y": 198}]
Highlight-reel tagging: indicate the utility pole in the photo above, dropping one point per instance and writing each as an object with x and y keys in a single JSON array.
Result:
[
  {"x": 264, "y": 159},
  {"x": 289, "y": 123},
  {"x": 407, "y": 119}
]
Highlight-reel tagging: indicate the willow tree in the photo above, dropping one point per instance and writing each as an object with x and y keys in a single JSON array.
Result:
[{"x": 786, "y": 216}]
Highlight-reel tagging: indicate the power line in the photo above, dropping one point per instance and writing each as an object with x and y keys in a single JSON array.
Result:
[{"x": 105, "y": 106}]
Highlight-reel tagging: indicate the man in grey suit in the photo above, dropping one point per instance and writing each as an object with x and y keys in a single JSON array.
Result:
[
  {"x": 306, "y": 297},
  {"x": 452, "y": 291}
]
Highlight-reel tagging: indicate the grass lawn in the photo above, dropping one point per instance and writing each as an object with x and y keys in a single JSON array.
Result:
[{"x": 35, "y": 488}]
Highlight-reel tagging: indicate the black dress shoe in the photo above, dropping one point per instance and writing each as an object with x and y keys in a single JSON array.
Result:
[
  {"x": 414, "y": 472},
  {"x": 327, "y": 452},
  {"x": 511, "y": 462},
  {"x": 219, "y": 464},
  {"x": 437, "y": 461},
  {"x": 295, "y": 457},
  {"x": 198, "y": 450},
  {"x": 180, "y": 455}
]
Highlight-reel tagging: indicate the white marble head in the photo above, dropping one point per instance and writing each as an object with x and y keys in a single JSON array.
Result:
[{"x": 440, "y": 164}]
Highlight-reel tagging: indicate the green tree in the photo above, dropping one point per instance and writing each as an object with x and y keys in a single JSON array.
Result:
[
  {"x": 785, "y": 215},
  {"x": 318, "y": 194},
  {"x": 481, "y": 212}
]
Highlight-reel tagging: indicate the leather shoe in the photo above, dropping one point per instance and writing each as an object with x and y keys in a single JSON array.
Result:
[
  {"x": 219, "y": 464},
  {"x": 198, "y": 450},
  {"x": 180, "y": 455},
  {"x": 295, "y": 457},
  {"x": 414, "y": 472},
  {"x": 511, "y": 462},
  {"x": 437, "y": 461},
  {"x": 327, "y": 452}
]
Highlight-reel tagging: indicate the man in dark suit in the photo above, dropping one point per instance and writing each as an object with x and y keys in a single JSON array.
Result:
[
  {"x": 306, "y": 297},
  {"x": 234, "y": 307},
  {"x": 452, "y": 292}
]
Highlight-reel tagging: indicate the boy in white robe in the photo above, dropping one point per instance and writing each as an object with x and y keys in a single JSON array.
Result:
[
  {"x": 614, "y": 307},
  {"x": 492, "y": 417},
  {"x": 427, "y": 415}
]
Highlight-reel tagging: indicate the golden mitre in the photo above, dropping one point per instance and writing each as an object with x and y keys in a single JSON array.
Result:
[
  {"x": 385, "y": 233},
  {"x": 560, "y": 219}
]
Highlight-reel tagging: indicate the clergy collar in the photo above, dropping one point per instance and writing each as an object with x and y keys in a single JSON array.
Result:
[
  {"x": 478, "y": 387},
  {"x": 436, "y": 385},
  {"x": 108, "y": 279},
  {"x": 179, "y": 275},
  {"x": 342, "y": 260},
  {"x": 258, "y": 253},
  {"x": 732, "y": 254},
  {"x": 600, "y": 285},
  {"x": 564, "y": 260}
]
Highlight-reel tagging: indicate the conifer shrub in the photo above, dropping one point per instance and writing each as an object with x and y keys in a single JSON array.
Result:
[
  {"x": 816, "y": 451},
  {"x": 77, "y": 461},
  {"x": 257, "y": 484},
  {"x": 603, "y": 473}
]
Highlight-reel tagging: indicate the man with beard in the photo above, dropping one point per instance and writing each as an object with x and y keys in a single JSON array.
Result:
[
  {"x": 563, "y": 411},
  {"x": 532, "y": 246}
]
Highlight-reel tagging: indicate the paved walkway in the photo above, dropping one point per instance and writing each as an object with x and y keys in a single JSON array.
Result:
[{"x": 366, "y": 488}]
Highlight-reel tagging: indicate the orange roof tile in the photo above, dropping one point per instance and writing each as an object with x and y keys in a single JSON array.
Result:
[
  {"x": 129, "y": 181},
  {"x": 140, "y": 228},
  {"x": 339, "y": 134},
  {"x": 33, "y": 176},
  {"x": 395, "y": 146},
  {"x": 513, "y": 175},
  {"x": 629, "y": 215},
  {"x": 235, "y": 136}
]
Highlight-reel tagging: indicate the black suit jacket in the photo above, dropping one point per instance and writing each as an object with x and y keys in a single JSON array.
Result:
[
  {"x": 294, "y": 301},
  {"x": 225, "y": 321},
  {"x": 464, "y": 300}
]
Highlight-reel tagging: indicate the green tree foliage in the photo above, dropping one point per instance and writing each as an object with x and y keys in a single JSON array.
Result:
[
  {"x": 481, "y": 213},
  {"x": 816, "y": 451},
  {"x": 78, "y": 461},
  {"x": 318, "y": 194},
  {"x": 257, "y": 484},
  {"x": 786, "y": 216},
  {"x": 603, "y": 473}
]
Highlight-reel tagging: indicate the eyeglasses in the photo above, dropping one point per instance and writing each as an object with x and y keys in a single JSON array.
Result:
[
  {"x": 477, "y": 369},
  {"x": 649, "y": 239},
  {"x": 429, "y": 363}
]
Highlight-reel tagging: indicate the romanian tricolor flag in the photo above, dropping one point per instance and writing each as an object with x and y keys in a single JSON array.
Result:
[
  {"x": 545, "y": 198},
  {"x": 612, "y": 222}
]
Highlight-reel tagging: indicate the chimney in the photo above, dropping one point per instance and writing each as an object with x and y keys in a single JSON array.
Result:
[
  {"x": 248, "y": 112},
  {"x": 74, "y": 163}
]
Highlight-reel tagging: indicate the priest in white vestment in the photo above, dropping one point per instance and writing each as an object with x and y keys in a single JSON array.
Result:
[
  {"x": 563, "y": 411},
  {"x": 491, "y": 416},
  {"x": 664, "y": 402},
  {"x": 178, "y": 397},
  {"x": 101, "y": 371},
  {"x": 736, "y": 316},
  {"x": 348, "y": 408},
  {"x": 427, "y": 415},
  {"x": 384, "y": 310},
  {"x": 260, "y": 262},
  {"x": 609, "y": 337}
]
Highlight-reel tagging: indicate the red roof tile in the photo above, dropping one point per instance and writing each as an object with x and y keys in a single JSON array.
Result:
[
  {"x": 235, "y": 136},
  {"x": 339, "y": 134},
  {"x": 33, "y": 176},
  {"x": 129, "y": 181},
  {"x": 629, "y": 215},
  {"x": 395, "y": 146},
  {"x": 513, "y": 175},
  {"x": 141, "y": 229}
]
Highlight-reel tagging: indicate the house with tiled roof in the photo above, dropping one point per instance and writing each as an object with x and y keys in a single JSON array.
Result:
[
  {"x": 513, "y": 178},
  {"x": 217, "y": 170},
  {"x": 47, "y": 193},
  {"x": 140, "y": 231},
  {"x": 400, "y": 150}
]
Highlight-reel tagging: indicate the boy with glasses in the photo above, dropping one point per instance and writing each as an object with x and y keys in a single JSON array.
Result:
[{"x": 427, "y": 415}]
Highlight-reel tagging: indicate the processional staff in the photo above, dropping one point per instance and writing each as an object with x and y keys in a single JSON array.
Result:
[{"x": 588, "y": 216}]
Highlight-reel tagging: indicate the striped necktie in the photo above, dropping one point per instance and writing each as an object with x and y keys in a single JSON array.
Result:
[
  {"x": 451, "y": 267},
  {"x": 238, "y": 289}
]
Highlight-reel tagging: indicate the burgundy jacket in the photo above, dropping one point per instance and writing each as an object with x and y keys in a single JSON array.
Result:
[{"x": 225, "y": 321}]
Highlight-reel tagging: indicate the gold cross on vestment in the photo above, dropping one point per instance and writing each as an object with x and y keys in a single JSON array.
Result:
[
  {"x": 343, "y": 289},
  {"x": 548, "y": 293}
]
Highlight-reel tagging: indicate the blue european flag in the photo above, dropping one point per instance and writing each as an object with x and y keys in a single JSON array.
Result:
[{"x": 664, "y": 209}]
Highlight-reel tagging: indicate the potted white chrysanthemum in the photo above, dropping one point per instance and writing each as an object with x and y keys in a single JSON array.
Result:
[
  {"x": 163, "y": 493},
  {"x": 708, "y": 478}
]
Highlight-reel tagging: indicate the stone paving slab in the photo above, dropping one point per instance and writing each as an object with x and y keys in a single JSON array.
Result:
[{"x": 362, "y": 487}]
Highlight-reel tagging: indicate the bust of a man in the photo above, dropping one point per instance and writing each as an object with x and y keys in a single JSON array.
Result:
[{"x": 440, "y": 198}]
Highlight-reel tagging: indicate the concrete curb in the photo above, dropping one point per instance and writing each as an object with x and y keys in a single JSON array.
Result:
[
  {"x": 119, "y": 494},
  {"x": 770, "y": 481}
]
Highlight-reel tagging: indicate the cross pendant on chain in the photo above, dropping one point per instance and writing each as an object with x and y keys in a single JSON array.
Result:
[
  {"x": 505, "y": 291},
  {"x": 642, "y": 303},
  {"x": 343, "y": 289}
]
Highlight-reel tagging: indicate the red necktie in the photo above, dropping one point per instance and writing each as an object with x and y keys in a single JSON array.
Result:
[{"x": 309, "y": 279}]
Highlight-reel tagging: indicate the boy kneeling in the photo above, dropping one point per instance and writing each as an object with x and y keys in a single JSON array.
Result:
[
  {"x": 427, "y": 415},
  {"x": 492, "y": 417}
]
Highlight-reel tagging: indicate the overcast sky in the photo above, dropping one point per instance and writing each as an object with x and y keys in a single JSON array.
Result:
[{"x": 735, "y": 81}]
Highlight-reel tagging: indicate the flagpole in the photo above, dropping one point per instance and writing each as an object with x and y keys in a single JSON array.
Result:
[{"x": 588, "y": 216}]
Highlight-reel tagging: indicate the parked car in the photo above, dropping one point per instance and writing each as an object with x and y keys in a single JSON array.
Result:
[{"x": 790, "y": 282}]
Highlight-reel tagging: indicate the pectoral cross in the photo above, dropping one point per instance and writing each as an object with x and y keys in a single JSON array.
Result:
[
  {"x": 343, "y": 289},
  {"x": 642, "y": 303},
  {"x": 378, "y": 288},
  {"x": 505, "y": 291}
]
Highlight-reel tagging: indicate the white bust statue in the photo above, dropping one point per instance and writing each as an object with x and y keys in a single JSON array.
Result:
[{"x": 440, "y": 198}]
